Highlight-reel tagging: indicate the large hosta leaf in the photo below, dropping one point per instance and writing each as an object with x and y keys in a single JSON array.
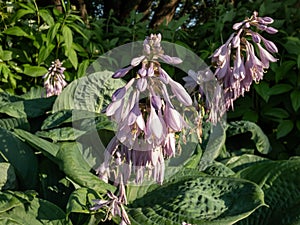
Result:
[
  {"x": 7, "y": 176},
  {"x": 10, "y": 123},
  {"x": 25, "y": 208},
  {"x": 77, "y": 169},
  {"x": 198, "y": 200},
  {"x": 21, "y": 156},
  {"x": 280, "y": 182},
  {"x": 260, "y": 140},
  {"x": 25, "y": 108},
  {"x": 90, "y": 93},
  {"x": 214, "y": 144}
]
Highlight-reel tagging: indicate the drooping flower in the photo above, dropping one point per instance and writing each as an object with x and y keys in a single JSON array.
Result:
[
  {"x": 54, "y": 79},
  {"x": 145, "y": 115},
  {"x": 236, "y": 62},
  {"x": 115, "y": 204}
]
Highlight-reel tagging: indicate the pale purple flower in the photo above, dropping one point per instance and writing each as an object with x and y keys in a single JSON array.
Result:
[
  {"x": 54, "y": 79},
  {"x": 236, "y": 61},
  {"x": 146, "y": 117},
  {"x": 115, "y": 204}
]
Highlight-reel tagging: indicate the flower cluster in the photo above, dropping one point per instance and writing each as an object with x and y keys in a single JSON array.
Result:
[
  {"x": 146, "y": 114},
  {"x": 115, "y": 204},
  {"x": 237, "y": 64},
  {"x": 54, "y": 79}
]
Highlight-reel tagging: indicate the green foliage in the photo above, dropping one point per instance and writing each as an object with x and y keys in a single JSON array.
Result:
[{"x": 48, "y": 147}]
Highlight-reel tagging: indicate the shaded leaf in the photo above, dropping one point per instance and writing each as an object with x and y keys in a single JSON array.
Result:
[
  {"x": 8, "y": 180},
  {"x": 295, "y": 99},
  {"x": 237, "y": 163},
  {"x": 28, "y": 209},
  {"x": 48, "y": 148},
  {"x": 77, "y": 169},
  {"x": 284, "y": 127},
  {"x": 10, "y": 123},
  {"x": 81, "y": 200},
  {"x": 260, "y": 139},
  {"x": 21, "y": 156},
  {"x": 213, "y": 147},
  {"x": 280, "y": 182},
  {"x": 198, "y": 200},
  {"x": 277, "y": 113},
  {"x": 279, "y": 89},
  {"x": 28, "y": 108},
  {"x": 61, "y": 134}
]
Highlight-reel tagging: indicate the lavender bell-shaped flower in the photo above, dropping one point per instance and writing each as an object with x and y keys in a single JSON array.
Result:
[
  {"x": 54, "y": 79},
  {"x": 236, "y": 71},
  {"x": 145, "y": 115}
]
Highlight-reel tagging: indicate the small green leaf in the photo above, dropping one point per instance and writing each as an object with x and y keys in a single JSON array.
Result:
[
  {"x": 6, "y": 55},
  {"x": 22, "y": 12},
  {"x": 279, "y": 89},
  {"x": 34, "y": 71},
  {"x": 68, "y": 37},
  {"x": 295, "y": 99},
  {"x": 46, "y": 15},
  {"x": 82, "y": 68},
  {"x": 263, "y": 90},
  {"x": 284, "y": 127},
  {"x": 16, "y": 31},
  {"x": 52, "y": 32},
  {"x": 277, "y": 113},
  {"x": 72, "y": 56},
  {"x": 44, "y": 52},
  {"x": 283, "y": 70}
]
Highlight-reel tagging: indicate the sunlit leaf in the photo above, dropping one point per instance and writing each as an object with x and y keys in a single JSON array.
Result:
[{"x": 34, "y": 71}]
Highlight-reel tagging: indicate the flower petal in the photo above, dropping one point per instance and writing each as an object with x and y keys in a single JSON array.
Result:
[{"x": 180, "y": 93}]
